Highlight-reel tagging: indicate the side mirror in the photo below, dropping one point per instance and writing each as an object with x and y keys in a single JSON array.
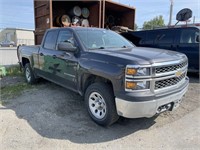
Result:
[{"x": 66, "y": 46}]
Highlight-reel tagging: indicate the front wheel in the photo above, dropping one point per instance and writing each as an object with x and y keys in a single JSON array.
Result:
[
  {"x": 29, "y": 75},
  {"x": 99, "y": 100}
]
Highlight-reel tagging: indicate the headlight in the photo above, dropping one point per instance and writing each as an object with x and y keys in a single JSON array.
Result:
[
  {"x": 142, "y": 72},
  {"x": 137, "y": 85},
  {"x": 137, "y": 71}
]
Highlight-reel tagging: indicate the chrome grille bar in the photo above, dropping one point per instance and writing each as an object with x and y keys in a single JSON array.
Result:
[
  {"x": 165, "y": 69},
  {"x": 169, "y": 82}
]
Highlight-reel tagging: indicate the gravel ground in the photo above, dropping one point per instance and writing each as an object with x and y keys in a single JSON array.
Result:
[{"x": 49, "y": 117}]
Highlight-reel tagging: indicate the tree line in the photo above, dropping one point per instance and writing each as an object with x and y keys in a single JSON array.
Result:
[{"x": 156, "y": 22}]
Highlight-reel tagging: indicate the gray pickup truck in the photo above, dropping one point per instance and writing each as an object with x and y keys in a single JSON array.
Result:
[{"x": 115, "y": 77}]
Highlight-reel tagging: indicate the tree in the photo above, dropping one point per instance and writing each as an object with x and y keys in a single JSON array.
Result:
[{"x": 155, "y": 22}]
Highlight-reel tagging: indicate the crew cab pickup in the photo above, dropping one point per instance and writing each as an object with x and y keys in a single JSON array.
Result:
[{"x": 115, "y": 77}]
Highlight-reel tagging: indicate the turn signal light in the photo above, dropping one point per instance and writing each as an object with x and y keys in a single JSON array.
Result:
[
  {"x": 131, "y": 71},
  {"x": 130, "y": 85}
]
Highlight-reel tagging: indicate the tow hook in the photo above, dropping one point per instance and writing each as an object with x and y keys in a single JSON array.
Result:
[{"x": 164, "y": 108}]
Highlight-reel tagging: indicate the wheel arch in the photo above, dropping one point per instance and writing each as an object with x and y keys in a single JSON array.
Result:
[
  {"x": 88, "y": 79},
  {"x": 25, "y": 60}
]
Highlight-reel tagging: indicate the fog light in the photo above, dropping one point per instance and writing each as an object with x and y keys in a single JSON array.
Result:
[{"x": 141, "y": 85}]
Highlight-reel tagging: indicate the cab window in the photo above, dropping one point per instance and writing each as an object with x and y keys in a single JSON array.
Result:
[
  {"x": 151, "y": 37},
  {"x": 65, "y": 36},
  {"x": 166, "y": 37},
  {"x": 50, "y": 40},
  {"x": 189, "y": 36}
]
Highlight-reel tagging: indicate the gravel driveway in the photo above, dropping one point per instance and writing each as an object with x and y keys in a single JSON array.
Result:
[{"x": 49, "y": 117}]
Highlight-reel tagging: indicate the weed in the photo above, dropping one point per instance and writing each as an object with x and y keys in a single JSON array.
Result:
[
  {"x": 14, "y": 70},
  {"x": 9, "y": 92}
]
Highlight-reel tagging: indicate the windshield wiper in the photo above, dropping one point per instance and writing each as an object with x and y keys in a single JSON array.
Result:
[{"x": 97, "y": 48}]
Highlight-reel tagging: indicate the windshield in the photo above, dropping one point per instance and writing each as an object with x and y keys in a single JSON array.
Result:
[{"x": 101, "y": 39}]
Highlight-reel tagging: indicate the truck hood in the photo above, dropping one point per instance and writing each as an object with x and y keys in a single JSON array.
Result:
[{"x": 143, "y": 55}]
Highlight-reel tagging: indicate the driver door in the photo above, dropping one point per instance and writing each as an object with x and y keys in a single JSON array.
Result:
[{"x": 66, "y": 63}]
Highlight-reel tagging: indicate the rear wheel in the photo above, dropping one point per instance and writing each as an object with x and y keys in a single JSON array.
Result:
[
  {"x": 99, "y": 100},
  {"x": 29, "y": 75}
]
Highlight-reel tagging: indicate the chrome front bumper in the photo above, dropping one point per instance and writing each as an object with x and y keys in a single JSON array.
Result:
[{"x": 131, "y": 109}]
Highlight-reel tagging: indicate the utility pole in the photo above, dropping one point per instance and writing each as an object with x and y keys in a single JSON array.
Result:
[
  {"x": 171, "y": 12},
  {"x": 194, "y": 20}
]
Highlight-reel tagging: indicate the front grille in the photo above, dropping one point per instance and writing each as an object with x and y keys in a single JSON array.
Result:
[
  {"x": 170, "y": 68},
  {"x": 168, "y": 82}
]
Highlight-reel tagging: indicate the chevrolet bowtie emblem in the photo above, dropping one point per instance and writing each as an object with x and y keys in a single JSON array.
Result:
[{"x": 178, "y": 73}]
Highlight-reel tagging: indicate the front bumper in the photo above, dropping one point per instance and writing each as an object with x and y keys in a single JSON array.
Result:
[{"x": 138, "y": 109}]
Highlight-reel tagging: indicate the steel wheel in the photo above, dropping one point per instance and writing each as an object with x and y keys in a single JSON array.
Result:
[
  {"x": 100, "y": 103},
  {"x": 28, "y": 74},
  {"x": 97, "y": 105}
]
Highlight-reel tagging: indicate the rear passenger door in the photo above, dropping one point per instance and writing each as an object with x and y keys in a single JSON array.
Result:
[{"x": 46, "y": 54}]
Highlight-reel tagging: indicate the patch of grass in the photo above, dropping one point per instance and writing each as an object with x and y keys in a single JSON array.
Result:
[
  {"x": 14, "y": 70},
  {"x": 13, "y": 91}
]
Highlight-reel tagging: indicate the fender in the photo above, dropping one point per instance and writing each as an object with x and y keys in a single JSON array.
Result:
[{"x": 109, "y": 71}]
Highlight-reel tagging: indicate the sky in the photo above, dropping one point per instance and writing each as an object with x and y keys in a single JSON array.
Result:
[{"x": 20, "y": 14}]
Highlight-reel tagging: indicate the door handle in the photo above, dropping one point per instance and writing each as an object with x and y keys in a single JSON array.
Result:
[
  {"x": 67, "y": 54},
  {"x": 54, "y": 56},
  {"x": 41, "y": 54}
]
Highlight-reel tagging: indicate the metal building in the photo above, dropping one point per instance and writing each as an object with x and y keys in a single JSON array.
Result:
[{"x": 18, "y": 36}]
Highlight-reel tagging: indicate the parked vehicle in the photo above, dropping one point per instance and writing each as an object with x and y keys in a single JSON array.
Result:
[
  {"x": 115, "y": 77},
  {"x": 7, "y": 43},
  {"x": 184, "y": 40}
]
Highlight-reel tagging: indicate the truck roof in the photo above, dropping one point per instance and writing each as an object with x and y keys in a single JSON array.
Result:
[
  {"x": 171, "y": 28},
  {"x": 77, "y": 28}
]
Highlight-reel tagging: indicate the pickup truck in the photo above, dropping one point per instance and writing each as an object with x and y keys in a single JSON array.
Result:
[{"x": 115, "y": 77}]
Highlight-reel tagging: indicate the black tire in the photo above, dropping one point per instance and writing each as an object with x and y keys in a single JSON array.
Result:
[
  {"x": 29, "y": 74},
  {"x": 108, "y": 111}
]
